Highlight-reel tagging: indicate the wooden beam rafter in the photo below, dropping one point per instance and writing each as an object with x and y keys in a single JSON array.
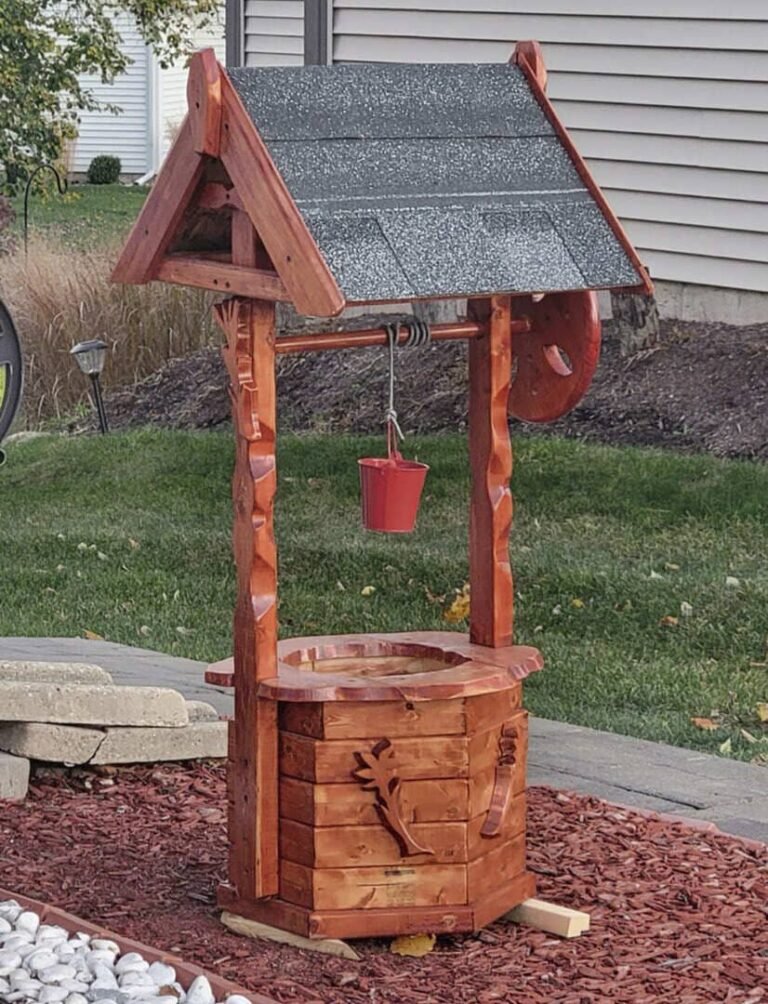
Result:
[{"x": 221, "y": 277}]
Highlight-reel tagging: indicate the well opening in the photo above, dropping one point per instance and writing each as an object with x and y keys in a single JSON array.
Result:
[{"x": 374, "y": 660}]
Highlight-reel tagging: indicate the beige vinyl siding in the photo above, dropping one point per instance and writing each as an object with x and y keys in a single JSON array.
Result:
[
  {"x": 274, "y": 32},
  {"x": 668, "y": 101},
  {"x": 124, "y": 135}
]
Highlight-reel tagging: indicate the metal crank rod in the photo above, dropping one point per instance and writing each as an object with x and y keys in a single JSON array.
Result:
[{"x": 290, "y": 344}]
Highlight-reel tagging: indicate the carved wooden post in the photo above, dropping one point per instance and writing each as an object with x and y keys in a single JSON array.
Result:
[
  {"x": 252, "y": 785},
  {"x": 490, "y": 455}
]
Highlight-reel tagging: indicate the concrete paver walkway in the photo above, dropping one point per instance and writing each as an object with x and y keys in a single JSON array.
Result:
[{"x": 648, "y": 775}]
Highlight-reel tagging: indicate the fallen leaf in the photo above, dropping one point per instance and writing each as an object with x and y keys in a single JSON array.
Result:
[
  {"x": 669, "y": 621},
  {"x": 144, "y": 630},
  {"x": 670, "y": 566},
  {"x": 557, "y": 610},
  {"x": 340, "y": 586},
  {"x": 725, "y": 748},
  {"x": 748, "y": 736},
  {"x": 762, "y": 711},
  {"x": 82, "y": 546},
  {"x": 101, "y": 556},
  {"x": 368, "y": 590},
  {"x": 732, "y": 582},
  {"x": 92, "y": 636},
  {"x": 135, "y": 545},
  {"x": 413, "y": 945},
  {"x": 459, "y": 609},
  {"x": 655, "y": 575},
  {"x": 60, "y": 568},
  {"x": 707, "y": 724},
  {"x": 184, "y": 630},
  {"x": 686, "y": 609},
  {"x": 577, "y": 602}
]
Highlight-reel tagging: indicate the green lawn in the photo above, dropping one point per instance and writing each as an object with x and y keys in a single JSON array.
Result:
[
  {"x": 86, "y": 215},
  {"x": 128, "y": 537}
]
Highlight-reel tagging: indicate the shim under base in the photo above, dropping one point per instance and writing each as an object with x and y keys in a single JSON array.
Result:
[
  {"x": 549, "y": 917},
  {"x": 254, "y": 929}
]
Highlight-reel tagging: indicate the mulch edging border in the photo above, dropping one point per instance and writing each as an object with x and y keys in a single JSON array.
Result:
[
  {"x": 185, "y": 972},
  {"x": 690, "y": 823}
]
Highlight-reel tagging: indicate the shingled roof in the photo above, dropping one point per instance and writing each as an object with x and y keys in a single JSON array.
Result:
[
  {"x": 376, "y": 182},
  {"x": 432, "y": 180}
]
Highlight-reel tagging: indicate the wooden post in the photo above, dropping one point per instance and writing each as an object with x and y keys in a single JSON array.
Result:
[
  {"x": 252, "y": 782},
  {"x": 490, "y": 455}
]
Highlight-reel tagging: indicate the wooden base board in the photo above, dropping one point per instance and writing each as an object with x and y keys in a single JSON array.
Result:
[
  {"x": 549, "y": 917},
  {"x": 377, "y": 923},
  {"x": 254, "y": 929}
]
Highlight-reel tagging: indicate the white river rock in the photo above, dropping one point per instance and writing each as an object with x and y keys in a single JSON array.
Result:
[{"x": 45, "y": 964}]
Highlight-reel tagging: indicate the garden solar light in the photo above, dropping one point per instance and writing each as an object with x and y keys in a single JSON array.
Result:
[{"x": 90, "y": 357}]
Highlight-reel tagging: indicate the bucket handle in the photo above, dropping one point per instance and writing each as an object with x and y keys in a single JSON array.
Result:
[{"x": 393, "y": 429}]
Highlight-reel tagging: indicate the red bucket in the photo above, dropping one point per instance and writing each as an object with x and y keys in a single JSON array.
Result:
[{"x": 390, "y": 492}]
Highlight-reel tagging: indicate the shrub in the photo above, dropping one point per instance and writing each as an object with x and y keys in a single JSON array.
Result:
[
  {"x": 104, "y": 170},
  {"x": 59, "y": 297}
]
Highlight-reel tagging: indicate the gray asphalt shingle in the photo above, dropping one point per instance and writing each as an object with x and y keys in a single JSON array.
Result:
[{"x": 420, "y": 180}]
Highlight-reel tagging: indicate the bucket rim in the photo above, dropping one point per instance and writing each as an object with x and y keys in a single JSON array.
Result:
[{"x": 378, "y": 463}]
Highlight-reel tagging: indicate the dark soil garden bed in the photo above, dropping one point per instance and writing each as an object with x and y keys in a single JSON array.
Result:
[
  {"x": 704, "y": 388},
  {"x": 678, "y": 914}
]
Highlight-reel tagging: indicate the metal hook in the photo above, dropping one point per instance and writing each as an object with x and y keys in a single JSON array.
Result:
[{"x": 61, "y": 185}]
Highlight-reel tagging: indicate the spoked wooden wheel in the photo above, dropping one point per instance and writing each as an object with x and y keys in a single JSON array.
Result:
[
  {"x": 11, "y": 375},
  {"x": 554, "y": 362}
]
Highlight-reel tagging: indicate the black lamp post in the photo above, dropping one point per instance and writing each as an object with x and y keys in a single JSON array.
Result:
[{"x": 90, "y": 357}]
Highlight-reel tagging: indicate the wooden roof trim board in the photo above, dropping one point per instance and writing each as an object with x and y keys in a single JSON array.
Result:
[
  {"x": 161, "y": 214},
  {"x": 218, "y": 125},
  {"x": 529, "y": 57},
  {"x": 274, "y": 213}
]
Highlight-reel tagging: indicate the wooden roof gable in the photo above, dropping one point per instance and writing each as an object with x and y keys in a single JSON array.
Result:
[{"x": 376, "y": 182}]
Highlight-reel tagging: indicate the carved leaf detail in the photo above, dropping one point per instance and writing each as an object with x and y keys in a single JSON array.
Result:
[{"x": 377, "y": 772}]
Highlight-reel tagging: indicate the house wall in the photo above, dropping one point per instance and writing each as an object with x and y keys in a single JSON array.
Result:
[
  {"x": 668, "y": 101},
  {"x": 152, "y": 101},
  {"x": 123, "y": 135},
  {"x": 273, "y": 32}
]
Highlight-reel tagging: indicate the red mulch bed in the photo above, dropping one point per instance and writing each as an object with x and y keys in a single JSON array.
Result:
[{"x": 678, "y": 914}]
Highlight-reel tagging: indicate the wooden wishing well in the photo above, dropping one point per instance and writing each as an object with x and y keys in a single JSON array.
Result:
[{"x": 377, "y": 781}]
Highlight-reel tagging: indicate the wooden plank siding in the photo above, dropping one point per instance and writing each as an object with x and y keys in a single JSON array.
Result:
[
  {"x": 668, "y": 102},
  {"x": 274, "y": 32}
]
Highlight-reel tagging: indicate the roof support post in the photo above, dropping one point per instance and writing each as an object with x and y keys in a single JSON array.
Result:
[
  {"x": 317, "y": 32},
  {"x": 252, "y": 771},
  {"x": 490, "y": 455}
]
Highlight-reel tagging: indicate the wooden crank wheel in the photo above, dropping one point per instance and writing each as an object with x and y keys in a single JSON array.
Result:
[{"x": 554, "y": 362}]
